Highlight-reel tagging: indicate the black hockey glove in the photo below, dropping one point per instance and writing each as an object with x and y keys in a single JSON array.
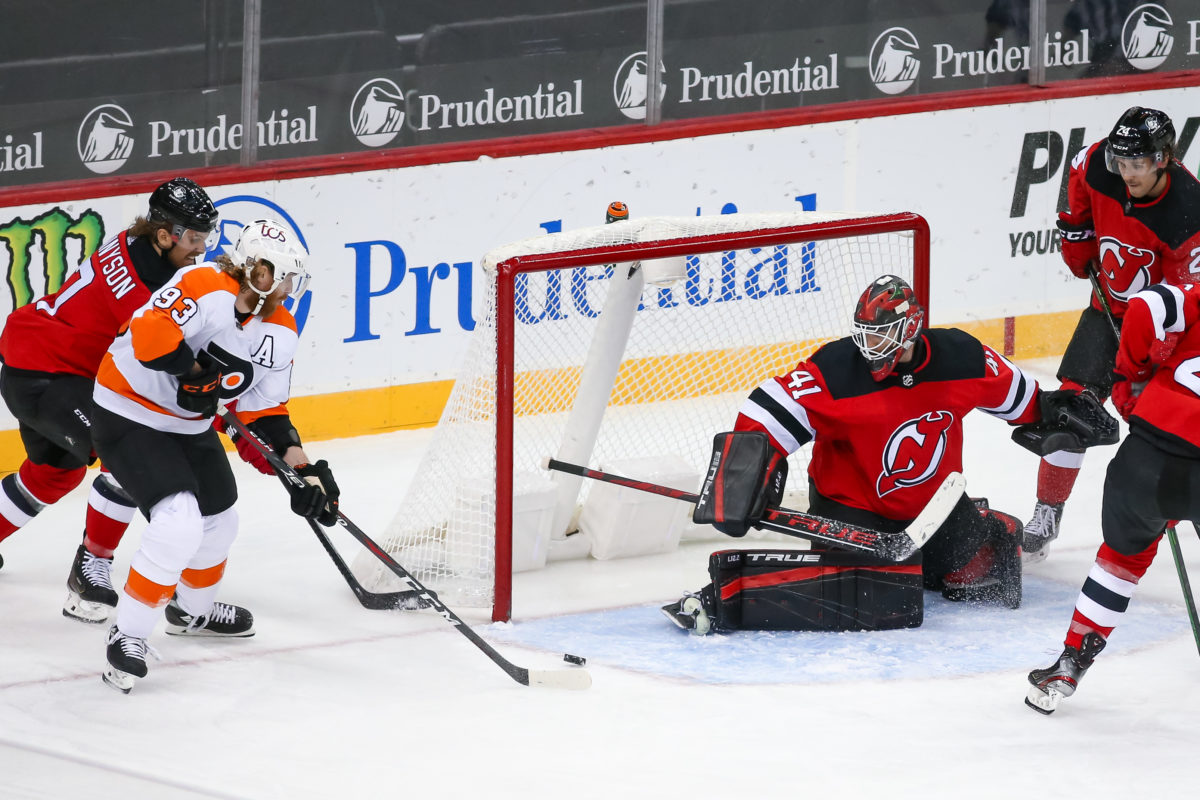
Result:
[
  {"x": 199, "y": 393},
  {"x": 318, "y": 498},
  {"x": 745, "y": 475},
  {"x": 1071, "y": 420}
]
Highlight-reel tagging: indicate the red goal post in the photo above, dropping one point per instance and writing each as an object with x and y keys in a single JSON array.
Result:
[{"x": 632, "y": 340}]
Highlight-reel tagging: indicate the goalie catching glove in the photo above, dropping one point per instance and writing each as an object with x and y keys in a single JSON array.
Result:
[
  {"x": 745, "y": 475},
  {"x": 318, "y": 498},
  {"x": 1071, "y": 420}
]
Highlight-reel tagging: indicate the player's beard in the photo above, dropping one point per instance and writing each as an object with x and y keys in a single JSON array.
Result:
[{"x": 269, "y": 305}]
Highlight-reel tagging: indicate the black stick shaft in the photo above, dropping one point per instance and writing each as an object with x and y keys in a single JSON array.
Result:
[
  {"x": 792, "y": 523},
  {"x": 519, "y": 674}
]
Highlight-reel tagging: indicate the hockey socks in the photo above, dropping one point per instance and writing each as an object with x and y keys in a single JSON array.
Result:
[
  {"x": 110, "y": 510},
  {"x": 1107, "y": 591},
  {"x": 31, "y": 488}
]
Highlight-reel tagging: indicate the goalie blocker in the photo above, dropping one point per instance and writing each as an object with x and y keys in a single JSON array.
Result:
[{"x": 803, "y": 590}]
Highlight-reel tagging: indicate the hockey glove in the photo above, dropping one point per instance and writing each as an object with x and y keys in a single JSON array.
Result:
[
  {"x": 200, "y": 392},
  {"x": 1125, "y": 394},
  {"x": 248, "y": 452},
  {"x": 745, "y": 475},
  {"x": 318, "y": 498},
  {"x": 1079, "y": 247}
]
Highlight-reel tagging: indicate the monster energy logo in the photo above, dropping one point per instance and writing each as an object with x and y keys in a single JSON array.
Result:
[{"x": 49, "y": 234}]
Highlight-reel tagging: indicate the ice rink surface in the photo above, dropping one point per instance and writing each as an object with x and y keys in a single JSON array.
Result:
[{"x": 331, "y": 700}]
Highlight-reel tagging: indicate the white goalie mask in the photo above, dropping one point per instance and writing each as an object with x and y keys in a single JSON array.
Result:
[{"x": 270, "y": 241}]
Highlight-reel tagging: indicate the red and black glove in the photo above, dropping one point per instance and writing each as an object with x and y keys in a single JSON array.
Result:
[
  {"x": 1125, "y": 394},
  {"x": 1079, "y": 246},
  {"x": 248, "y": 452}
]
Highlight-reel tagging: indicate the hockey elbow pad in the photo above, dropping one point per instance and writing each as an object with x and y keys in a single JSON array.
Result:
[
  {"x": 745, "y": 475},
  {"x": 1079, "y": 246}
]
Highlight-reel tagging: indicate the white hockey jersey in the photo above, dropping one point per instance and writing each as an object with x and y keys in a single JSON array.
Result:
[{"x": 197, "y": 308}]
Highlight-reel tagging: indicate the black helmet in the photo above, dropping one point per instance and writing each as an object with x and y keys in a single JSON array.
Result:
[
  {"x": 180, "y": 201},
  {"x": 1141, "y": 132}
]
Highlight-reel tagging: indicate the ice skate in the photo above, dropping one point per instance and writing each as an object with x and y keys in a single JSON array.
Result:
[
  {"x": 126, "y": 660},
  {"x": 690, "y": 614},
  {"x": 90, "y": 594},
  {"x": 223, "y": 619},
  {"x": 1041, "y": 531},
  {"x": 1050, "y": 685}
]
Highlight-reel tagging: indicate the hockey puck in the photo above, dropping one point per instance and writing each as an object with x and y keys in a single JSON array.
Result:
[{"x": 570, "y": 659}]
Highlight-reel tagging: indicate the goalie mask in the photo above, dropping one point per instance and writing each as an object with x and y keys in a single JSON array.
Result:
[
  {"x": 886, "y": 323},
  {"x": 269, "y": 241}
]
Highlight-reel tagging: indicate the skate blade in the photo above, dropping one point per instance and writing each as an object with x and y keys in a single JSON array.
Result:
[
  {"x": 179, "y": 630},
  {"x": 1043, "y": 702},
  {"x": 119, "y": 680},
  {"x": 87, "y": 611},
  {"x": 1036, "y": 557}
]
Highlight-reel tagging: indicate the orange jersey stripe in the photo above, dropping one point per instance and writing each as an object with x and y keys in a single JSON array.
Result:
[
  {"x": 202, "y": 578},
  {"x": 155, "y": 332},
  {"x": 283, "y": 318},
  {"x": 111, "y": 378},
  {"x": 146, "y": 591}
]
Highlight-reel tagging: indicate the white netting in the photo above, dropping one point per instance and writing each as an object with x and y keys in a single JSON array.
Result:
[{"x": 694, "y": 351}]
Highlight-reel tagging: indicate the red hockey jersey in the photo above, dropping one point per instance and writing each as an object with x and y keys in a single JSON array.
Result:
[
  {"x": 70, "y": 330},
  {"x": 886, "y": 447},
  {"x": 1139, "y": 242},
  {"x": 1168, "y": 410}
]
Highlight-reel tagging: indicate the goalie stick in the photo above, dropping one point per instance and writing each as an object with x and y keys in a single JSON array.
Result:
[
  {"x": 891, "y": 546},
  {"x": 571, "y": 678}
]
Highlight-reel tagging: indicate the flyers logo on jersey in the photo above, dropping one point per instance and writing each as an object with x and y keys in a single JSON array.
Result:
[
  {"x": 914, "y": 452},
  {"x": 1127, "y": 270}
]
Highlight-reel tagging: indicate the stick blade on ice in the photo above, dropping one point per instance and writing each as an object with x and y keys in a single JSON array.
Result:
[{"x": 560, "y": 678}]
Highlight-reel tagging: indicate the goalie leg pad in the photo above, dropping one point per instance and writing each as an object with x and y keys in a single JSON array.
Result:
[
  {"x": 745, "y": 475},
  {"x": 815, "y": 590}
]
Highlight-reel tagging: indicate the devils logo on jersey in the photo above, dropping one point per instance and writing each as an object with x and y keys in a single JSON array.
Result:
[
  {"x": 1126, "y": 269},
  {"x": 914, "y": 451}
]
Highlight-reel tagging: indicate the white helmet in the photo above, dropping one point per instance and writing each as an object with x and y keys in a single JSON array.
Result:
[{"x": 268, "y": 240}]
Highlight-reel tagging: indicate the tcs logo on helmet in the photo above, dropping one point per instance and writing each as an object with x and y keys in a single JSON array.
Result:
[{"x": 914, "y": 452}]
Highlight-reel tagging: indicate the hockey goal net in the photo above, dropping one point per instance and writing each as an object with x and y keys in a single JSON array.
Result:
[{"x": 604, "y": 345}]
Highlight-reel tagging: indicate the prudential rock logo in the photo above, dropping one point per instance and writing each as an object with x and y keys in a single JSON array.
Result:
[
  {"x": 893, "y": 60},
  {"x": 1146, "y": 36},
  {"x": 104, "y": 140},
  {"x": 377, "y": 112},
  {"x": 629, "y": 85}
]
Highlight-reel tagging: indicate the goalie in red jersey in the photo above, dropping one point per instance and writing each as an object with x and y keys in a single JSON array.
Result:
[
  {"x": 1133, "y": 220},
  {"x": 884, "y": 411},
  {"x": 1153, "y": 479}
]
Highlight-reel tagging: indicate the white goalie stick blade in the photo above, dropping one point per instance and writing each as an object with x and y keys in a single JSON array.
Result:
[
  {"x": 937, "y": 509},
  {"x": 560, "y": 678}
]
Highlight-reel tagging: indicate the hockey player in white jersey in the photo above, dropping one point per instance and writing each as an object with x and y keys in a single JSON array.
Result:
[{"x": 217, "y": 331}]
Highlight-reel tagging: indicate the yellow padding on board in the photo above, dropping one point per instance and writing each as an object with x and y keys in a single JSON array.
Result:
[{"x": 367, "y": 411}]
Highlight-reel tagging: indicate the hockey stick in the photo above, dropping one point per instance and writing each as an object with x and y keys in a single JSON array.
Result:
[
  {"x": 572, "y": 678},
  {"x": 376, "y": 601},
  {"x": 891, "y": 546},
  {"x": 1172, "y": 536}
]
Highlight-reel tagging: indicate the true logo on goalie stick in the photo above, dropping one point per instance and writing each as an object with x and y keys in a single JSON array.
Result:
[{"x": 914, "y": 452}]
